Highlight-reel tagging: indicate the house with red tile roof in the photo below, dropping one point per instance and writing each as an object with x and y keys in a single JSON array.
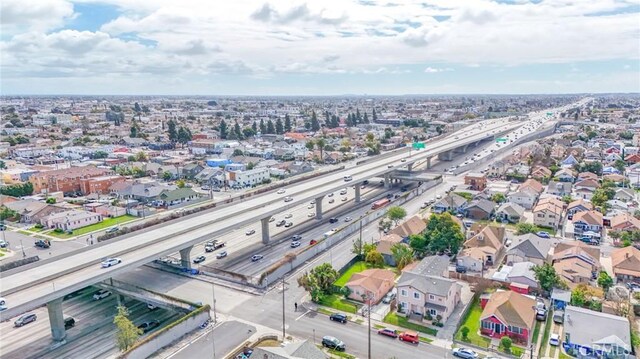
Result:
[{"x": 626, "y": 264}]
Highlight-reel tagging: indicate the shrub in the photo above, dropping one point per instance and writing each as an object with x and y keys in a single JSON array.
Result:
[
  {"x": 58, "y": 230},
  {"x": 506, "y": 343},
  {"x": 465, "y": 332}
]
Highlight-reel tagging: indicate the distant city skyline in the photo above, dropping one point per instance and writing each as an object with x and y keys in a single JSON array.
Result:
[{"x": 328, "y": 48}]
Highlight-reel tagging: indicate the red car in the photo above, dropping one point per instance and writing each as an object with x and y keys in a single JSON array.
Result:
[
  {"x": 388, "y": 332},
  {"x": 312, "y": 242},
  {"x": 410, "y": 336}
]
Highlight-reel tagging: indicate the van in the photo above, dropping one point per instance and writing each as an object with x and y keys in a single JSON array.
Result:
[{"x": 348, "y": 178}]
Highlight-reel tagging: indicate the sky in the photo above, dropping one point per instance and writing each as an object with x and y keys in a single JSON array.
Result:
[{"x": 320, "y": 47}]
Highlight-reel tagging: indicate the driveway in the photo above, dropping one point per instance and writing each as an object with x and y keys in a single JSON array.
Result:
[{"x": 449, "y": 329}]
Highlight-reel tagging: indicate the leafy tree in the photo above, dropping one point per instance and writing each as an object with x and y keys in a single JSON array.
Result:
[
  {"x": 279, "y": 127},
  {"x": 320, "y": 143},
  {"x": 2, "y": 165},
  {"x": 271, "y": 129},
  {"x": 594, "y": 167},
  {"x": 133, "y": 131},
  {"x": 136, "y": 107},
  {"x": 237, "y": 131},
  {"x": 224, "y": 130},
  {"x": 315, "y": 124},
  {"x": 418, "y": 243},
  {"x": 375, "y": 259},
  {"x": 466, "y": 195},
  {"x": 319, "y": 281},
  {"x": 443, "y": 234},
  {"x": 567, "y": 199},
  {"x": 402, "y": 254},
  {"x": 238, "y": 152},
  {"x": 357, "y": 247},
  {"x": 131, "y": 158},
  {"x": 184, "y": 135},
  {"x": 310, "y": 145},
  {"x": 138, "y": 172},
  {"x": 287, "y": 123},
  {"x": 498, "y": 197},
  {"x": 384, "y": 225},
  {"x": 167, "y": 176},
  {"x": 605, "y": 281},
  {"x": 248, "y": 132},
  {"x": 5, "y": 213},
  {"x": 141, "y": 156},
  {"x": 506, "y": 343},
  {"x": 263, "y": 127},
  {"x": 619, "y": 165},
  {"x": 17, "y": 190},
  {"x": 524, "y": 228},
  {"x": 50, "y": 200},
  {"x": 180, "y": 183},
  {"x": 368, "y": 247},
  {"x": 172, "y": 131},
  {"x": 365, "y": 119},
  {"x": 465, "y": 332},
  {"x": 126, "y": 332},
  {"x": 599, "y": 197},
  {"x": 374, "y": 116},
  {"x": 547, "y": 277},
  {"x": 396, "y": 214},
  {"x": 100, "y": 155}
]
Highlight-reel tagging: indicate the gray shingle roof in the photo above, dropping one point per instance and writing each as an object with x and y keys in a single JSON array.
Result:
[
  {"x": 426, "y": 284},
  {"x": 531, "y": 246},
  {"x": 586, "y": 327}
]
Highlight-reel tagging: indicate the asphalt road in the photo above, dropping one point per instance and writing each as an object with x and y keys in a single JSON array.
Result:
[{"x": 217, "y": 343}]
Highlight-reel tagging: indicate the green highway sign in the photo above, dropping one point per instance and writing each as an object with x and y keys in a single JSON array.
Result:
[
  {"x": 418, "y": 145},
  {"x": 501, "y": 139}
]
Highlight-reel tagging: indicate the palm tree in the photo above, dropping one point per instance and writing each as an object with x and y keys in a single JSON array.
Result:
[
  {"x": 402, "y": 255},
  {"x": 320, "y": 143}
]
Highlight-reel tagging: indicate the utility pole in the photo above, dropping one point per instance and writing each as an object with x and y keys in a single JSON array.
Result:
[
  {"x": 283, "y": 332},
  {"x": 369, "y": 331}
]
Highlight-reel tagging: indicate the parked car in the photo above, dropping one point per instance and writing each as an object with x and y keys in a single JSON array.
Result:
[
  {"x": 464, "y": 353},
  {"x": 110, "y": 262},
  {"x": 112, "y": 230},
  {"x": 388, "y": 332},
  {"x": 149, "y": 326},
  {"x": 101, "y": 294},
  {"x": 295, "y": 244},
  {"x": 541, "y": 314},
  {"x": 543, "y": 234},
  {"x": 558, "y": 316},
  {"x": 461, "y": 269},
  {"x": 199, "y": 259},
  {"x": 221, "y": 255},
  {"x": 409, "y": 336},
  {"x": 25, "y": 319},
  {"x": 3, "y": 243},
  {"x": 69, "y": 323},
  {"x": 256, "y": 257},
  {"x": 333, "y": 343},
  {"x": 389, "y": 297},
  {"x": 554, "y": 339},
  {"x": 151, "y": 306},
  {"x": 250, "y": 232},
  {"x": 338, "y": 317}
]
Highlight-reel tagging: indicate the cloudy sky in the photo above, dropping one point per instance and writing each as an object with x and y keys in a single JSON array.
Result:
[{"x": 320, "y": 47}]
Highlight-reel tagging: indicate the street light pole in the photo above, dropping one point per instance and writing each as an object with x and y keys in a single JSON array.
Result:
[
  {"x": 369, "y": 331},
  {"x": 213, "y": 292},
  {"x": 22, "y": 247},
  {"x": 283, "y": 317}
]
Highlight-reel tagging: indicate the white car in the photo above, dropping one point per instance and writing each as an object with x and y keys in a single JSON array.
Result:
[
  {"x": 281, "y": 191},
  {"x": 295, "y": 244},
  {"x": 310, "y": 214},
  {"x": 288, "y": 215},
  {"x": 464, "y": 353},
  {"x": 343, "y": 199},
  {"x": 250, "y": 232},
  {"x": 347, "y": 219},
  {"x": 310, "y": 206},
  {"x": 110, "y": 262},
  {"x": 332, "y": 200},
  {"x": 101, "y": 294},
  {"x": 288, "y": 199},
  {"x": 554, "y": 339}
]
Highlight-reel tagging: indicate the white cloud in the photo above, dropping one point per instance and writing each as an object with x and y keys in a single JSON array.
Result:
[
  {"x": 433, "y": 70},
  {"x": 41, "y": 15}
]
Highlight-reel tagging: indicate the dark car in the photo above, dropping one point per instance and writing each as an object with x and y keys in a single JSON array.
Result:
[
  {"x": 149, "y": 326},
  {"x": 388, "y": 332},
  {"x": 43, "y": 243},
  {"x": 199, "y": 259},
  {"x": 69, "y": 323},
  {"x": 461, "y": 269},
  {"x": 333, "y": 220},
  {"x": 25, "y": 319},
  {"x": 338, "y": 317},
  {"x": 333, "y": 343}
]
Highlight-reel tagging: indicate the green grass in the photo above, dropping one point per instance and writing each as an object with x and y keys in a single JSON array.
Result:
[
  {"x": 357, "y": 267},
  {"x": 545, "y": 337},
  {"x": 336, "y": 302},
  {"x": 536, "y": 332},
  {"x": 340, "y": 354},
  {"x": 562, "y": 355},
  {"x": 378, "y": 326},
  {"x": 552, "y": 351},
  {"x": 106, "y": 223},
  {"x": 472, "y": 321},
  {"x": 426, "y": 340},
  {"x": 399, "y": 320},
  {"x": 325, "y": 311},
  {"x": 515, "y": 350}
]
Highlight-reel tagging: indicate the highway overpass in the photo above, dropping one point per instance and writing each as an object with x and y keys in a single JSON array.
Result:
[{"x": 49, "y": 281}]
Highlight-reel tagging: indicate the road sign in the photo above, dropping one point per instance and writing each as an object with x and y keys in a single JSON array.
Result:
[
  {"x": 501, "y": 139},
  {"x": 418, "y": 145}
]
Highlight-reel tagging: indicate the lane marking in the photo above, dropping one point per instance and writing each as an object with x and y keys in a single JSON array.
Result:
[{"x": 303, "y": 314}]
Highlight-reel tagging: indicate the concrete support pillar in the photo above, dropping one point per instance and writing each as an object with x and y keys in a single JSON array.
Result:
[
  {"x": 410, "y": 167},
  {"x": 446, "y": 156},
  {"x": 319, "y": 207},
  {"x": 185, "y": 257},
  {"x": 56, "y": 319},
  {"x": 429, "y": 162},
  {"x": 387, "y": 181},
  {"x": 358, "y": 197},
  {"x": 121, "y": 300},
  {"x": 265, "y": 230},
  {"x": 464, "y": 149}
]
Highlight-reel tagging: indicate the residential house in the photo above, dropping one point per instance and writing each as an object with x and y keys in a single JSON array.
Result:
[
  {"x": 423, "y": 291},
  {"x": 248, "y": 178},
  {"x": 100, "y": 184},
  {"x": 588, "y": 224},
  {"x": 413, "y": 225},
  {"x": 586, "y": 176},
  {"x": 370, "y": 284},
  {"x": 635, "y": 158},
  {"x": 522, "y": 273},
  {"x": 476, "y": 181},
  {"x": 65, "y": 180},
  {"x": 70, "y": 220},
  {"x": 533, "y": 185},
  {"x": 498, "y": 168},
  {"x": 191, "y": 170},
  {"x": 548, "y": 213},
  {"x": 570, "y": 161},
  {"x": 480, "y": 209},
  {"x": 169, "y": 198},
  {"x": 540, "y": 172},
  {"x": 384, "y": 247},
  {"x": 559, "y": 189},
  {"x": 626, "y": 264},
  {"x": 565, "y": 175},
  {"x": 31, "y": 210},
  {"x": 482, "y": 249},
  {"x": 624, "y": 222},
  {"x": 579, "y": 205},
  {"x": 530, "y": 248},
  {"x": 305, "y": 349},
  {"x": 524, "y": 198},
  {"x": 508, "y": 313},
  {"x": 576, "y": 262},
  {"x": 624, "y": 194},
  {"x": 560, "y": 298},
  {"x": 451, "y": 202},
  {"x": 510, "y": 212},
  {"x": 596, "y": 334}
]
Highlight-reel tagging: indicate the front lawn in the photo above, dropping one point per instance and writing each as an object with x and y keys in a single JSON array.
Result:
[
  {"x": 401, "y": 321},
  {"x": 335, "y": 301},
  {"x": 106, "y": 223},
  {"x": 515, "y": 350},
  {"x": 536, "y": 333},
  {"x": 472, "y": 321},
  {"x": 356, "y": 267}
]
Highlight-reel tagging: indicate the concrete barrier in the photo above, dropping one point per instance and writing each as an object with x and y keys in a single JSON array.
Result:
[{"x": 167, "y": 335}]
